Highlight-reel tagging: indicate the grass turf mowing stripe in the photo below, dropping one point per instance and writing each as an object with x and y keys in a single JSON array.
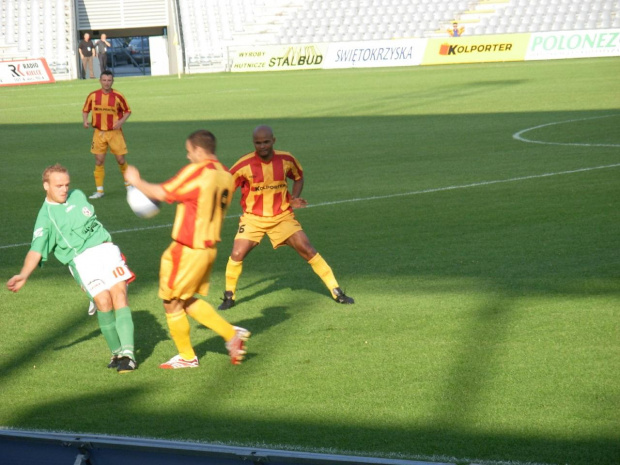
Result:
[{"x": 382, "y": 197}]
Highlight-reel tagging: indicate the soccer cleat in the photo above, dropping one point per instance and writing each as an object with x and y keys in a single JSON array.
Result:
[
  {"x": 114, "y": 361},
  {"x": 126, "y": 365},
  {"x": 227, "y": 301},
  {"x": 97, "y": 195},
  {"x": 341, "y": 297},
  {"x": 236, "y": 346},
  {"x": 92, "y": 308},
  {"x": 178, "y": 362}
]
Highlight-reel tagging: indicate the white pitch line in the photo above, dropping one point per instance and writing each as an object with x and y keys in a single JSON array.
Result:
[
  {"x": 389, "y": 196},
  {"x": 518, "y": 135},
  {"x": 466, "y": 186}
]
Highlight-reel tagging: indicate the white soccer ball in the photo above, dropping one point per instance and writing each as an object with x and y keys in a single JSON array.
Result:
[{"x": 140, "y": 204}]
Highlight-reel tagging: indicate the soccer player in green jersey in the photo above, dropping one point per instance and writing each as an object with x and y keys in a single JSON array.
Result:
[{"x": 68, "y": 227}]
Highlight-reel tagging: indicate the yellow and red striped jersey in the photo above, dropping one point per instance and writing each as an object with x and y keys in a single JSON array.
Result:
[
  {"x": 203, "y": 191},
  {"x": 264, "y": 187},
  {"x": 107, "y": 108}
]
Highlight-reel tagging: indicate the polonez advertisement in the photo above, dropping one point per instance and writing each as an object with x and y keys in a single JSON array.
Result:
[{"x": 574, "y": 44}]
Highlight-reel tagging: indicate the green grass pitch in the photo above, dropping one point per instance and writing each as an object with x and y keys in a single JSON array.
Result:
[{"x": 485, "y": 267}]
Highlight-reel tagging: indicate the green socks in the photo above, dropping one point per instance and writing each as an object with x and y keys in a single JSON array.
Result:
[
  {"x": 124, "y": 328},
  {"x": 117, "y": 329},
  {"x": 107, "y": 324}
]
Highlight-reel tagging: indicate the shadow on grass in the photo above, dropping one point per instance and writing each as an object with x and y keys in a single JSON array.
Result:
[
  {"x": 304, "y": 280},
  {"x": 271, "y": 317},
  {"x": 522, "y": 244},
  {"x": 147, "y": 334},
  {"x": 438, "y": 441}
]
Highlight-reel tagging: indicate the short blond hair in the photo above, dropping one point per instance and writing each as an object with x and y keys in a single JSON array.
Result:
[{"x": 57, "y": 168}]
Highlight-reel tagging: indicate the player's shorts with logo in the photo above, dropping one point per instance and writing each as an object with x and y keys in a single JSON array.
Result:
[
  {"x": 185, "y": 271},
  {"x": 113, "y": 139},
  {"x": 99, "y": 268},
  {"x": 279, "y": 228}
]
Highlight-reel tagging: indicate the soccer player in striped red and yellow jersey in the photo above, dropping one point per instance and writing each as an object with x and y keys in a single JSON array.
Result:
[
  {"x": 268, "y": 209},
  {"x": 203, "y": 191},
  {"x": 109, "y": 110}
]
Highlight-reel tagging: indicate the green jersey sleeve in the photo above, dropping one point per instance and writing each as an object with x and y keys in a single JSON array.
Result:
[{"x": 41, "y": 236}]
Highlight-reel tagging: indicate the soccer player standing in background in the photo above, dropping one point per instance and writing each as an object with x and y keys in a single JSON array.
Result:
[
  {"x": 68, "y": 227},
  {"x": 268, "y": 209},
  {"x": 203, "y": 190},
  {"x": 110, "y": 111}
]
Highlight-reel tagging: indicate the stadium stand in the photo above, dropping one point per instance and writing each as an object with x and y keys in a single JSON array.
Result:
[
  {"x": 38, "y": 28},
  {"x": 258, "y": 22},
  {"x": 209, "y": 28}
]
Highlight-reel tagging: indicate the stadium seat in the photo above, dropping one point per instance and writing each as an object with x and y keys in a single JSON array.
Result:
[{"x": 216, "y": 24}]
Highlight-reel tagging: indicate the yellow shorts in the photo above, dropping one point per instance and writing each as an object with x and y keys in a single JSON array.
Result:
[
  {"x": 278, "y": 228},
  {"x": 114, "y": 139},
  {"x": 185, "y": 271}
]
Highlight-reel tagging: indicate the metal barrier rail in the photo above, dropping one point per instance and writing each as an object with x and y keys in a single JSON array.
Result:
[{"x": 32, "y": 447}]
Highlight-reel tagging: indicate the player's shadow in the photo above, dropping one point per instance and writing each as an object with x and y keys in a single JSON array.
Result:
[
  {"x": 278, "y": 283},
  {"x": 148, "y": 332},
  {"x": 271, "y": 316}
]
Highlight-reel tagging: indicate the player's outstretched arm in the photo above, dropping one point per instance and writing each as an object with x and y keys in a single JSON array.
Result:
[
  {"x": 30, "y": 264},
  {"x": 15, "y": 283},
  {"x": 152, "y": 191}
]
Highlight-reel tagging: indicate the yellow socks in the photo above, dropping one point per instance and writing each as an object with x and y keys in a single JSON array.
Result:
[
  {"x": 123, "y": 168},
  {"x": 206, "y": 315},
  {"x": 178, "y": 324},
  {"x": 99, "y": 177},
  {"x": 322, "y": 269},
  {"x": 233, "y": 271},
  {"x": 202, "y": 312}
]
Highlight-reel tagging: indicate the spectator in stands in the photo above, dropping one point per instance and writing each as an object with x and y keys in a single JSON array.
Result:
[
  {"x": 101, "y": 50},
  {"x": 86, "y": 49},
  {"x": 456, "y": 31}
]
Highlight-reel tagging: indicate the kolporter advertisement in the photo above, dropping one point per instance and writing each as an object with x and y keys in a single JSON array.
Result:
[
  {"x": 476, "y": 49},
  {"x": 278, "y": 57},
  {"x": 574, "y": 44}
]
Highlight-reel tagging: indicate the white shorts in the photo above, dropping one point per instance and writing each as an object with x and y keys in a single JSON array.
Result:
[{"x": 99, "y": 268}]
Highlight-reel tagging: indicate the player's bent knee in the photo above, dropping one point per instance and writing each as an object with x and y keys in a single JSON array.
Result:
[
  {"x": 103, "y": 301},
  {"x": 240, "y": 251}
]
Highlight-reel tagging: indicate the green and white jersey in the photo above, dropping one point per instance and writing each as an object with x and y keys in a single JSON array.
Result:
[{"x": 67, "y": 229}]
